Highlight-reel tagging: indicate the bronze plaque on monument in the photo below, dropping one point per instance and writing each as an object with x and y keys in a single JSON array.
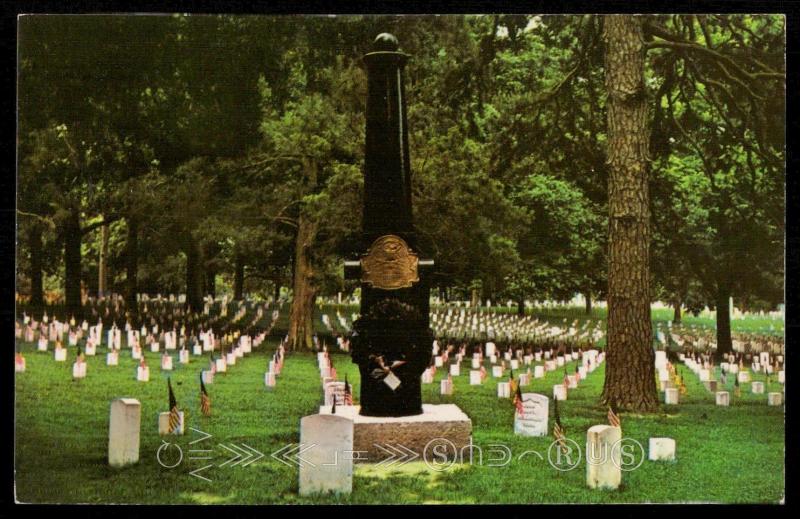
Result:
[{"x": 389, "y": 264}]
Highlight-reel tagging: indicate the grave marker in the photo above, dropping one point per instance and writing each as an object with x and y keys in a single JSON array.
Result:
[
  {"x": 603, "y": 461},
  {"x": 123, "y": 432},
  {"x": 329, "y": 467},
  {"x": 534, "y": 418}
]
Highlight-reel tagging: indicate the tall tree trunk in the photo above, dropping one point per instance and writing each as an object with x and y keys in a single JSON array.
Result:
[
  {"x": 72, "y": 265},
  {"x": 276, "y": 287},
  {"x": 588, "y": 297},
  {"x": 238, "y": 277},
  {"x": 132, "y": 265},
  {"x": 37, "y": 289},
  {"x": 521, "y": 306},
  {"x": 630, "y": 374},
  {"x": 211, "y": 281},
  {"x": 194, "y": 298},
  {"x": 724, "y": 342},
  {"x": 676, "y": 316},
  {"x": 304, "y": 291},
  {"x": 102, "y": 263}
]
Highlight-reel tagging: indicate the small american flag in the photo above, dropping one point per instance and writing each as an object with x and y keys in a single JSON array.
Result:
[
  {"x": 518, "y": 401},
  {"x": 737, "y": 390},
  {"x": 613, "y": 418},
  {"x": 205, "y": 401},
  {"x": 174, "y": 416},
  {"x": 558, "y": 430},
  {"x": 512, "y": 383},
  {"x": 348, "y": 394},
  {"x": 566, "y": 380},
  {"x": 483, "y": 373}
]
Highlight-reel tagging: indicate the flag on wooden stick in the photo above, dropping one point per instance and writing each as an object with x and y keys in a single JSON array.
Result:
[
  {"x": 174, "y": 416},
  {"x": 205, "y": 401},
  {"x": 348, "y": 394},
  {"x": 518, "y": 401},
  {"x": 558, "y": 430},
  {"x": 613, "y": 417}
]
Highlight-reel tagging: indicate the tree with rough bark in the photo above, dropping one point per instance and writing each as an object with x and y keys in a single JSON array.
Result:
[
  {"x": 311, "y": 158},
  {"x": 630, "y": 373}
]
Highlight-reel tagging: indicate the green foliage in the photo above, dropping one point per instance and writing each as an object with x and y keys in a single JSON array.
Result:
[{"x": 209, "y": 132}]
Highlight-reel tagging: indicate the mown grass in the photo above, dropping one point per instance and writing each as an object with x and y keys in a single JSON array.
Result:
[{"x": 728, "y": 455}]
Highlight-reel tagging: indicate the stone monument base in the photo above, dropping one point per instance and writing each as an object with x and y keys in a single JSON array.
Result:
[{"x": 444, "y": 429}]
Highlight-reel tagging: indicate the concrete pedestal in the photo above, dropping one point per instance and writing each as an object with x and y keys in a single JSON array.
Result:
[{"x": 444, "y": 429}]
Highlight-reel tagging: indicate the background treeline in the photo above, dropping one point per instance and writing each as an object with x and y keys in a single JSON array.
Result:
[{"x": 199, "y": 154}]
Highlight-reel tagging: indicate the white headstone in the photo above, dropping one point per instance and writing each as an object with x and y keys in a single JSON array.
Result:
[
  {"x": 671, "y": 396},
  {"x": 723, "y": 398},
  {"x": 334, "y": 389},
  {"x": 661, "y": 359},
  {"x": 112, "y": 358},
  {"x": 446, "y": 387},
  {"x": 775, "y": 399},
  {"x": 79, "y": 370},
  {"x": 757, "y": 388},
  {"x": 60, "y": 354},
  {"x": 166, "y": 363},
  {"x": 538, "y": 371},
  {"x": 661, "y": 449},
  {"x": 123, "y": 432},
  {"x": 269, "y": 379},
  {"x": 142, "y": 374},
  {"x": 427, "y": 376},
  {"x": 474, "y": 378},
  {"x": 559, "y": 392},
  {"x": 603, "y": 459},
  {"x": 534, "y": 418},
  {"x": 455, "y": 369},
  {"x": 208, "y": 376},
  {"x": 497, "y": 371},
  {"x": 329, "y": 463},
  {"x": 503, "y": 389}
]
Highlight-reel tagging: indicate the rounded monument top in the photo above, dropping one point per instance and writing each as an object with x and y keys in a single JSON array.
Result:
[{"x": 385, "y": 42}]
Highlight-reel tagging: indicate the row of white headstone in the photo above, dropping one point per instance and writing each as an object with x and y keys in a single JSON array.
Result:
[{"x": 705, "y": 373}]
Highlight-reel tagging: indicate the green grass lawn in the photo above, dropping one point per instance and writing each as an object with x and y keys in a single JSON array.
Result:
[{"x": 732, "y": 454}]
